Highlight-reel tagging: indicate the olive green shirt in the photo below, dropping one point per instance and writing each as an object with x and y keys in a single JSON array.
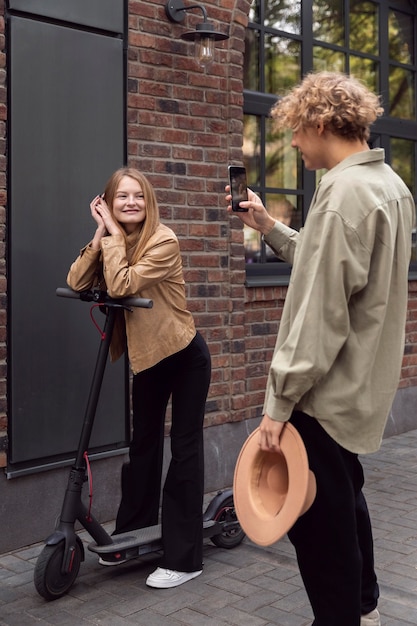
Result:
[{"x": 340, "y": 343}]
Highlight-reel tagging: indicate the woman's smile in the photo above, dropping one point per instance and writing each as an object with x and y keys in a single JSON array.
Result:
[{"x": 129, "y": 204}]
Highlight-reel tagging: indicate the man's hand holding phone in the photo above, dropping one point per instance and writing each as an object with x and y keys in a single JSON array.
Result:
[{"x": 254, "y": 214}]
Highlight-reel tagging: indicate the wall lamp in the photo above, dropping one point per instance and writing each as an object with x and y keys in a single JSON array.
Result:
[{"x": 204, "y": 34}]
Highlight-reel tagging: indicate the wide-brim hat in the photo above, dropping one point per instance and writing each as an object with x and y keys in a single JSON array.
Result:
[{"x": 272, "y": 489}]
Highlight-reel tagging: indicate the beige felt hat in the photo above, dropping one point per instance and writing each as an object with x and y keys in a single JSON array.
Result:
[{"x": 272, "y": 489}]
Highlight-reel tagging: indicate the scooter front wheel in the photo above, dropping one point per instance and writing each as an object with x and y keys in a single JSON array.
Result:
[{"x": 50, "y": 582}]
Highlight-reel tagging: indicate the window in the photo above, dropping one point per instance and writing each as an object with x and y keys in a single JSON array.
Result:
[{"x": 374, "y": 40}]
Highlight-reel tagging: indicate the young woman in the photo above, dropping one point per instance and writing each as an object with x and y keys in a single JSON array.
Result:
[{"x": 133, "y": 254}]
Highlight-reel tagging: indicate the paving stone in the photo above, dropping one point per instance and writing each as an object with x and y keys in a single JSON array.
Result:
[
  {"x": 216, "y": 600},
  {"x": 235, "y": 586},
  {"x": 15, "y": 564},
  {"x": 173, "y": 600},
  {"x": 189, "y": 617},
  {"x": 283, "y": 618},
  {"x": 240, "y": 618},
  {"x": 244, "y": 586},
  {"x": 20, "y": 620},
  {"x": 251, "y": 572},
  {"x": 252, "y": 603}
]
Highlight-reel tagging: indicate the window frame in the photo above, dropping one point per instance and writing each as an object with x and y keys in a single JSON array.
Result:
[{"x": 259, "y": 103}]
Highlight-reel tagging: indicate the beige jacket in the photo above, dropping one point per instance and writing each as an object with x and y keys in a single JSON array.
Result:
[
  {"x": 152, "y": 334},
  {"x": 341, "y": 337}
]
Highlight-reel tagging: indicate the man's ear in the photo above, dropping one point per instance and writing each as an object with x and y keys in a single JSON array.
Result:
[{"x": 320, "y": 128}]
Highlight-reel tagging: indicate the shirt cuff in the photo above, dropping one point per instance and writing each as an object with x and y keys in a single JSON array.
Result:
[
  {"x": 278, "y": 409},
  {"x": 88, "y": 250},
  {"x": 278, "y": 236}
]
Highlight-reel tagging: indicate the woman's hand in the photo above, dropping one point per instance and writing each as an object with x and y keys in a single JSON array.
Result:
[
  {"x": 257, "y": 217},
  {"x": 105, "y": 223},
  {"x": 103, "y": 216}
]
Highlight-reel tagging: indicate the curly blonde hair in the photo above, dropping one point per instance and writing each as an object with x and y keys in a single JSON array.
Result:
[{"x": 341, "y": 103}]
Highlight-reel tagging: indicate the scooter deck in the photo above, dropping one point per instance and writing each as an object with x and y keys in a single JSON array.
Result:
[{"x": 143, "y": 541}]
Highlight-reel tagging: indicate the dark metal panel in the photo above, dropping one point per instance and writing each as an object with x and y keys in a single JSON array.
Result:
[
  {"x": 102, "y": 14},
  {"x": 66, "y": 136}
]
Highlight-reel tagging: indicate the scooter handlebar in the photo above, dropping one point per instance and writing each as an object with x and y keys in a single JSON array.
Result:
[{"x": 101, "y": 297}]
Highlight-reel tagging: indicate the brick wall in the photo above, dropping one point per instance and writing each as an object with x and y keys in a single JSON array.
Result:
[
  {"x": 409, "y": 369},
  {"x": 184, "y": 127}
]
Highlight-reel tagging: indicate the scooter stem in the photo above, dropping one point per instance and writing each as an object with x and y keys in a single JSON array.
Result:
[{"x": 95, "y": 386}]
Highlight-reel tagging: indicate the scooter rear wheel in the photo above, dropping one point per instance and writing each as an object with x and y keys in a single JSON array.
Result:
[
  {"x": 235, "y": 535},
  {"x": 50, "y": 582}
]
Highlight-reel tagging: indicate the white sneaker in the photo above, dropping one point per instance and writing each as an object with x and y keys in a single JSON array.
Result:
[
  {"x": 163, "y": 578},
  {"x": 371, "y": 619}
]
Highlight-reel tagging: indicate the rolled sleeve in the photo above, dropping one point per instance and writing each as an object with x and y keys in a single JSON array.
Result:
[
  {"x": 277, "y": 408},
  {"x": 83, "y": 272},
  {"x": 283, "y": 241}
]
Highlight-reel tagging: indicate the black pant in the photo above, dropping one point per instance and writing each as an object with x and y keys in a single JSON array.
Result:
[
  {"x": 184, "y": 376},
  {"x": 333, "y": 540}
]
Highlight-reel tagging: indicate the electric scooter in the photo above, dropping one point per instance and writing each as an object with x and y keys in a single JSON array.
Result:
[{"x": 59, "y": 562}]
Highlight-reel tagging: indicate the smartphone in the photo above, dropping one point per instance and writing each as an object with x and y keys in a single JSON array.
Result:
[{"x": 238, "y": 186}]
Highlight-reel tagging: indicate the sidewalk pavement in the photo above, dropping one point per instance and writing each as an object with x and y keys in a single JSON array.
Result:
[{"x": 245, "y": 586}]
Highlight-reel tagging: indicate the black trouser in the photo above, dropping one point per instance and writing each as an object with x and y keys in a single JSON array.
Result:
[
  {"x": 185, "y": 377},
  {"x": 333, "y": 540}
]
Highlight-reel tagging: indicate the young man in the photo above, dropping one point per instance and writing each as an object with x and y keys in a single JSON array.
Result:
[{"x": 339, "y": 349}]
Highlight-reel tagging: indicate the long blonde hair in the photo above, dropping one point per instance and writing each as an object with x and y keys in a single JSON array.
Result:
[{"x": 147, "y": 228}]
